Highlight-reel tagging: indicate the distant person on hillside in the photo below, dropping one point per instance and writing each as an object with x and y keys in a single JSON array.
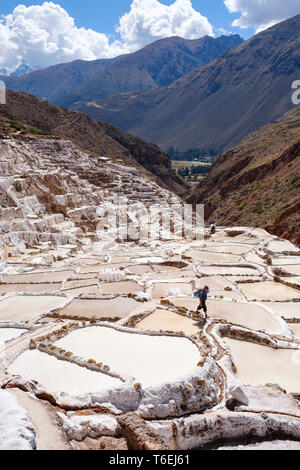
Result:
[
  {"x": 213, "y": 229},
  {"x": 202, "y": 296}
]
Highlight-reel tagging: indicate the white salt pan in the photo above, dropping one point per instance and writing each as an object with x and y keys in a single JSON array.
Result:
[
  {"x": 25, "y": 308},
  {"x": 150, "y": 359},
  {"x": 60, "y": 376},
  {"x": 7, "y": 334}
]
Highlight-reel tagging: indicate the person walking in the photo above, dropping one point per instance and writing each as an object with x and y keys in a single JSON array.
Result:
[{"x": 202, "y": 295}]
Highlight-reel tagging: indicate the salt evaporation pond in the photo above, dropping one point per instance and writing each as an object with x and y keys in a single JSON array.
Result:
[
  {"x": 60, "y": 376},
  {"x": 230, "y": 249},
  {"x": 30, "y": 288},
  {"x": 88, "y": 308},
  {"x": 212, "y": 257},
  {"x": 260, "y": 365},
  {"x": 7, "y": 334},
  {"x": 269, "y": 290},
  {"x": 168, "y": 321},
  {"x": 294, "y": 270},
  {"x": 287, "y": 310},
  {"x": 25, "y": 308},
  {"x": 165, "y": 289},
  {"x": 152, "y": 360},
  {"x": 49, "y": 276},
  {"x": 295, "y": 327},
  {"x": 244, "y": 314}
]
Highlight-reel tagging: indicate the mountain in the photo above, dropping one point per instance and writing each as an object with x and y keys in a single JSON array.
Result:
[
  {"x": 156, "y": 65},
  {"x": 55, "y": 81},
  {"x": 27, "y": 115},
  {"x": 22, "y": 69},
  {"x": 258, "y": 182},
  {"x": 215, "y": 106}
]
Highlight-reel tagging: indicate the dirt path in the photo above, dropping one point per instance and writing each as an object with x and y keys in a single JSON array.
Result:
[{"x": 44, "y": 421}]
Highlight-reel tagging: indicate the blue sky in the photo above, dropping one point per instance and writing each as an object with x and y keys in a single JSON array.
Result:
[{"x": 102, "y": 16}]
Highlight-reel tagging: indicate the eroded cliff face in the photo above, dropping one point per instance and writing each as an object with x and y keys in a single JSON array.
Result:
[
  {"x": 257, "y": 182},
  {"x": 50, "y": 192}
]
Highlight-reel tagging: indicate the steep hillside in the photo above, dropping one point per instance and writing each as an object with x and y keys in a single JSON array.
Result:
[
  {"x": 97, "y": 138},
  {"x": 215, "y": 106},
  {"x": 156, "y": 65},
  {"x": 258, "y": 182}
]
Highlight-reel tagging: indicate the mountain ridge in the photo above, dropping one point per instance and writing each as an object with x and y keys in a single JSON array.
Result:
[
  {"x": 219, "y": 104},
  {"x": 155, "y": 65}
]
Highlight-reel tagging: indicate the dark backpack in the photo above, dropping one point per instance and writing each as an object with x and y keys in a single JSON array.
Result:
[{"x": 198, "y": 293}]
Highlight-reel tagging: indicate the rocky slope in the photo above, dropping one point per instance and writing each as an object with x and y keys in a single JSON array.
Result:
[
  {"x": 258, "y": 181},
  {"x": 215, "y": 106},
  {"x": 97, "y": 138},
  {"x": 156, "y": 65}
]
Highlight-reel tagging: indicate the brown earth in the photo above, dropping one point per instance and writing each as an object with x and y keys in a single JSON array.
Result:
[{"x": 258, "y": 182}]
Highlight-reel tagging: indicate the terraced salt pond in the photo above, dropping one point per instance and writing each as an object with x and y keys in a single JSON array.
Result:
[
  {"x": 244, "y": 314},
  {"x": 260, "y": 365},
  {"x": 165, "y": 289},
  {"x": 213, "y": 257},
  {"x": 7, "y": 334},
  {"x": 287, "y": 310},
  {"x": 60, "y": 376},
  {"x": 132, "y": 309},
  {"x": 269, "y": 290},
  {"x": 215, "y": 283},
  {"x": 282, "y": 246},
  {"x": 119, "y": 288},
  {"x": 226, "y": 248},
  {"x": 294, "y": 270},
  {"x": 168, "y": 321},
  {"x": 227, "y": 270},
  {"x": 26, "y": 308},
  {"x": 82, "y": 291},
  {"x": 288, "y": 261},
  {"x": 152, "y": 360},
  {"x": 51, "y": 276},
  {"x": 100, "y": 309},
  {"x": 30, "y": 288},
  {"x": 295, "y": 327}
]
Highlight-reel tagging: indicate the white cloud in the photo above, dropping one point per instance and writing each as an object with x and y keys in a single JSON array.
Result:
[
  {"x": 149, "y": 20},
  {"x": 262, "y": 14},
  {"x": 46, "y": 34}
]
